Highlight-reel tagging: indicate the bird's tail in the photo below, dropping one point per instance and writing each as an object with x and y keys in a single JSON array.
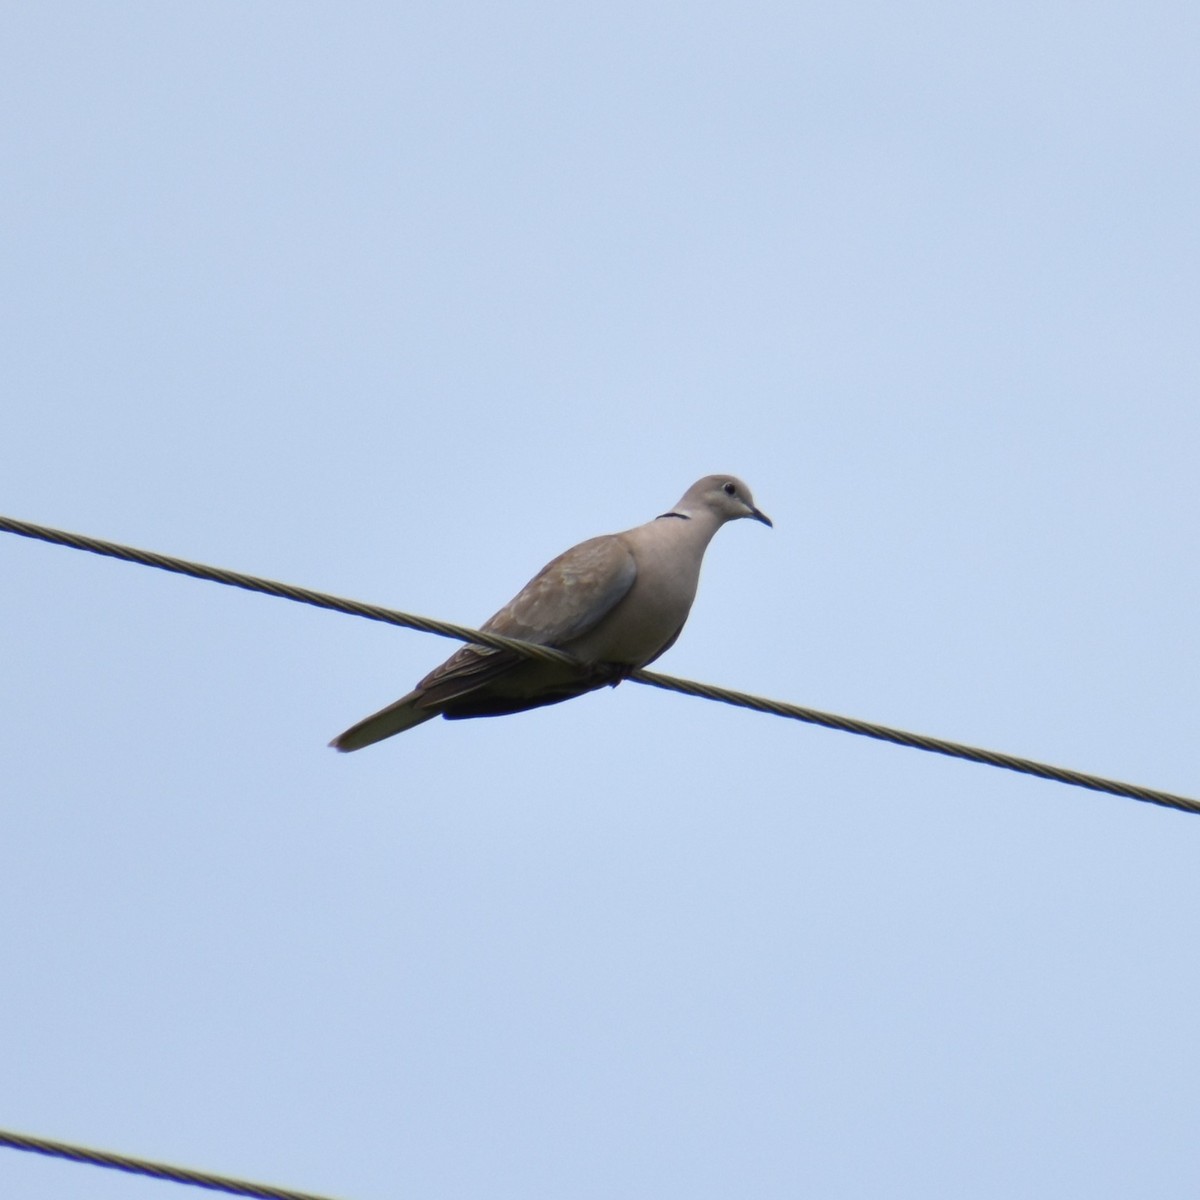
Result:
[{"x": 396, "y": 718}]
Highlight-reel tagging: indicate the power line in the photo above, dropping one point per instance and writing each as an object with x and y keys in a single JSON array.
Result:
[
  {"x": 687, "y": 687},
  {"x": 155, "y": 1170}
]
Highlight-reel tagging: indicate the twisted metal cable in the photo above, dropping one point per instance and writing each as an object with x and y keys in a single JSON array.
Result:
[
  {"x": 286, "y": 591},
  {"x": 155, "y": 1170},
  {"x": 918, "y": 741},
  {"x": 687, "y": 687}
]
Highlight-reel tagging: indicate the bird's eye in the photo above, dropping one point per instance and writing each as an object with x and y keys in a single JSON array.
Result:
[{"x": 729, "y": 489}]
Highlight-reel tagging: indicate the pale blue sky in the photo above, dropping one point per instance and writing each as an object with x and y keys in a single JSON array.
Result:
[{"x": 399, "y": 302}]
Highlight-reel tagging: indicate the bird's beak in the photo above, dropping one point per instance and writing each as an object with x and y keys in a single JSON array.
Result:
[{"x": 761, "y": 516}]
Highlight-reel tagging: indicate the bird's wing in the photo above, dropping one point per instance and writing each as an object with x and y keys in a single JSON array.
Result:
[{"x": 567, "y": 597}]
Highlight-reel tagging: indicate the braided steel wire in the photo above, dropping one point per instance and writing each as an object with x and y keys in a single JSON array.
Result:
[
  {"x": 286, "y": 591},
  {"x": 155, "y": 1170},
  {"x": 687, "y": 687},
  {"x": 918, "y": 741}
]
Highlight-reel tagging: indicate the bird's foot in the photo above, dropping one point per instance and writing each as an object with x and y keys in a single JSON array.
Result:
[{"x": 610, "y": 674}]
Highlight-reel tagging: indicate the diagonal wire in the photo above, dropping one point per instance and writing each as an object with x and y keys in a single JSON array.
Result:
[
  {"x": 918, "y": 741},
  {"x": 155, "y": 1170},
  {"x": 286, "y": 591},
  {"x": 687, "y": 687}
]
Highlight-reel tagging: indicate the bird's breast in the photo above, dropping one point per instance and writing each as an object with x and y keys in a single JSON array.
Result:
[{"x": 650, "y": 614}]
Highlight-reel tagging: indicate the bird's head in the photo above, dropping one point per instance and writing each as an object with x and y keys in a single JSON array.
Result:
[{"x": 724, "y": 496}]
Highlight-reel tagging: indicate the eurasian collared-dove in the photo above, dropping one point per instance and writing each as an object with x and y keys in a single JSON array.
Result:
[{"x": 614, "y": 603}]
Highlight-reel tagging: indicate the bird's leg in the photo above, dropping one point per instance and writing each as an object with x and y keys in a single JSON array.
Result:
[{"x": 611, "y": 674}]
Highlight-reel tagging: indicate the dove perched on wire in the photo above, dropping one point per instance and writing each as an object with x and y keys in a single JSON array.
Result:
[{"x": 614, "y": 603}]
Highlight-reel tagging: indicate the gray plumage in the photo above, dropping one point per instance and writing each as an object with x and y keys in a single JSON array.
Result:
[{"x": 614, "y": 602}]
